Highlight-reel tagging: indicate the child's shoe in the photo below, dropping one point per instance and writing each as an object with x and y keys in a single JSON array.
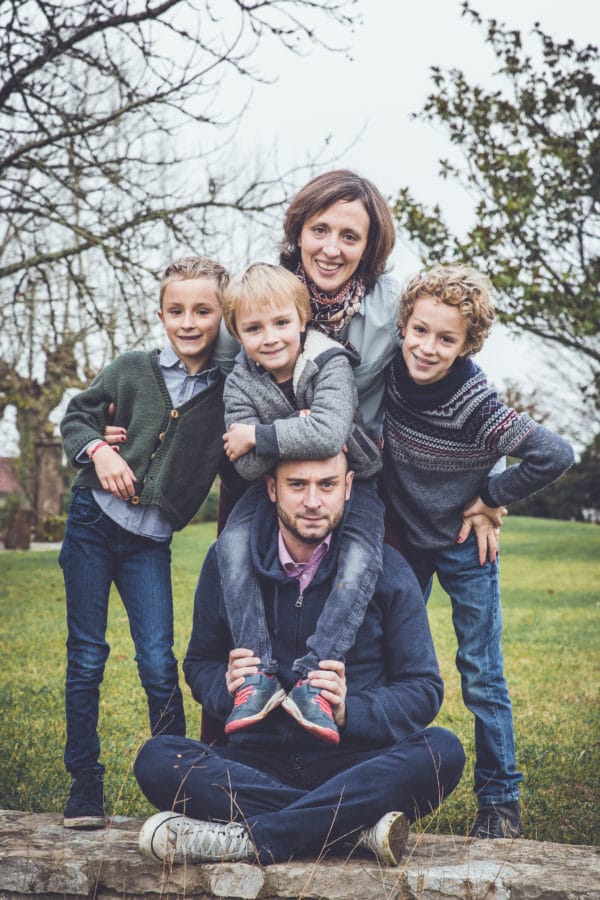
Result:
[
  {"x": 499, "y": 820},
  {"x": 254, "y": 700},
  {"x": 310, "y": 709},
  {"x": 85, "y": 806}
]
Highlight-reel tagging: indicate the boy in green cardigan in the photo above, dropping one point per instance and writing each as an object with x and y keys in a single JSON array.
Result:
[{"x": 126, "y": 505}]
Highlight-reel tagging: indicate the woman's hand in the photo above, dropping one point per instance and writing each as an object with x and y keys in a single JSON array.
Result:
[
  {"x": 242, "y": 662},
  {"x": 114, "y": 434},
  {"x": 239, "y": 440},
  {"x": 486, "y": 521},
  {"x": 330, "y": 678}
]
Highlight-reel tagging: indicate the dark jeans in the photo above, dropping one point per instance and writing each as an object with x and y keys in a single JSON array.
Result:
[
  {"x": 474, "y": 591},
  {"x": 95, "y": 552},
  {"x": 299, "y": 803}
]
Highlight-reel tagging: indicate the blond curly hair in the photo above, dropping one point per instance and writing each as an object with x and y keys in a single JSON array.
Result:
[{"x": 455, "y": 285}]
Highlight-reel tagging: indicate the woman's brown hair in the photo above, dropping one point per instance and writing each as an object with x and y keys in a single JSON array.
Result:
[{"x": 321, "y": 193}]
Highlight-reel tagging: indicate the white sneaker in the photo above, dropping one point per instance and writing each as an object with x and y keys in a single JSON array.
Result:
[
  {"x": 387, "y": 838},
  {"x": 176, "y": 838}
]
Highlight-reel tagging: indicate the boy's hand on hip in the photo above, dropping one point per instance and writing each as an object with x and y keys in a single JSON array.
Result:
[
  {"x": 478, "y": 507},
  {"x": 485, "y": 521},
  {"x": 486, "y": 535},
  {"x": 113, "y": 473},
  {"x": 330, "y": 678}
]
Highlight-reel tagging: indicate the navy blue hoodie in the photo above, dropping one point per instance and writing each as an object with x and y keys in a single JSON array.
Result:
[{"x": 394, "y": 685}]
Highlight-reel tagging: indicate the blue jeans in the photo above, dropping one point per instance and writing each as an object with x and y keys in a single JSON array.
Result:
[
  {"x": 95, "y": 552},
  {"x": 298, "y": 803},
  {"x": 474, "y": 591},
  {"x": 359, "y": 567}
]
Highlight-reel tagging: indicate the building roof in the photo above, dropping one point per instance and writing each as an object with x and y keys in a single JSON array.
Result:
[{"x": 9, "y": 483}]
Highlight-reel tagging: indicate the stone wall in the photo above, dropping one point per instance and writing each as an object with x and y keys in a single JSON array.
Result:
[{"x": 39, "y": 858}]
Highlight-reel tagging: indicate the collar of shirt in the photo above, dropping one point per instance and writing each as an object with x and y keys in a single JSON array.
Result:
[
  {"x": 303, "y": 571},
  {"x": 181, "y": 385}
]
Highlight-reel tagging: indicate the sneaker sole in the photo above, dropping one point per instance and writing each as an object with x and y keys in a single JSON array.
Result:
[
  {"x": 238, "y": 724},
  {"x": 393, "y": 847},
  {"x": 85, "y": 822},
  {"x": 330, "y": 735}
]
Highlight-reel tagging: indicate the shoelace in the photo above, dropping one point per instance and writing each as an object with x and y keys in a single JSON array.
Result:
[{"x": 212, "y": 840}]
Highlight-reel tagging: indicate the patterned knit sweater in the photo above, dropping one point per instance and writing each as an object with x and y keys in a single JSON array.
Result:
[
  {"x": 440, "y": 442},
  {"x": 174, "y": 453}
]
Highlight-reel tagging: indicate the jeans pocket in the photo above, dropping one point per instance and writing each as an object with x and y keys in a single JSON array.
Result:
[{"x": 83, "y": 509}]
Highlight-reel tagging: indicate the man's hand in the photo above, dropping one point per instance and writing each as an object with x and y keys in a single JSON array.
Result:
[
  {"x": 113, "y": 473},
  {"x": 486, "y": 521},
  {"x": 330, "y": 678},
  {"x": 239, "y": 440},
  {"x": 242, "y": 662},
  {"x": 114, "y": 434}
]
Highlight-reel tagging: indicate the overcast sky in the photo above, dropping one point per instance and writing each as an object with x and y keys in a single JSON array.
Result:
[
  {"x": 373, "y": 95},
  {"x": 365, "y": 99}
]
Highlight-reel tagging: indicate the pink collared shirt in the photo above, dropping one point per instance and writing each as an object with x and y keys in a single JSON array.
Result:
[{"x": 304, "y": 572}]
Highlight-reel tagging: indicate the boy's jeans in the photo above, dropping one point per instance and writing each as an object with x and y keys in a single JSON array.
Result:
[
  {"x": 477, "y": 616},
  {"x": 95, "y": 552},
  {"x": 359, "y": 567}
]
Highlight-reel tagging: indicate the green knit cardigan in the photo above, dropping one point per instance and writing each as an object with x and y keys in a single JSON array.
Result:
[{"x": 175, "y": 453}]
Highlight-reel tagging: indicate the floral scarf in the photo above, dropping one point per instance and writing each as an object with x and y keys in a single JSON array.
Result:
[{"x": 331, "y": 314}]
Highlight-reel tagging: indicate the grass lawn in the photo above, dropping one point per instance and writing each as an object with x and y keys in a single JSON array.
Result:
[{"x": 551, "y": 603}]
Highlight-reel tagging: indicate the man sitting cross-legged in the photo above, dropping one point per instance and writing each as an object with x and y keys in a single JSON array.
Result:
[{"x": 275, "y": 791}]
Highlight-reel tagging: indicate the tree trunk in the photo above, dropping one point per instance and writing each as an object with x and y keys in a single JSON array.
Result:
[{"x": 18, "y": 535}]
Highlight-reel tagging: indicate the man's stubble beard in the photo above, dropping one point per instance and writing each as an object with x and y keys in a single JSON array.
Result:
[{"x": 310, "y": 540}]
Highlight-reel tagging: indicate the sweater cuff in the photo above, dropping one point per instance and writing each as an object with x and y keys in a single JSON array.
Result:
[
  {"x": 359, "y": 721},
  {"x": 485, "y": 495},
  {"x": 266, "y": 440}
]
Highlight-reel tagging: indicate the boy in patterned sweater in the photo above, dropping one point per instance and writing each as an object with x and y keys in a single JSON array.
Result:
[{"x": 445, "y": 429}]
